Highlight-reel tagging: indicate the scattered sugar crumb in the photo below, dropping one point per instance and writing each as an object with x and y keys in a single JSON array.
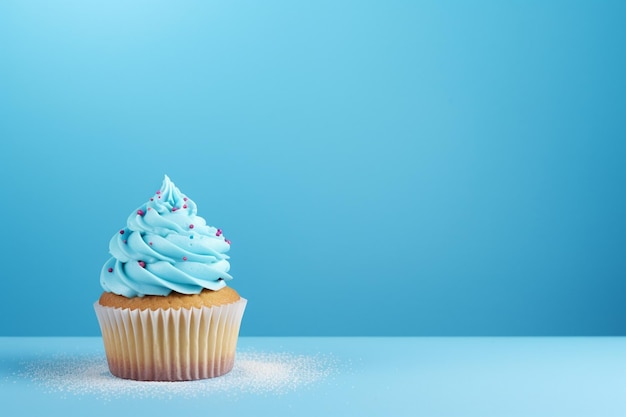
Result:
[{"x": 254, "y": 372}]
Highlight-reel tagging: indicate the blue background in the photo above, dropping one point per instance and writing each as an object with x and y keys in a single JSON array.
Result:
[{"x": 382, "y": 168}]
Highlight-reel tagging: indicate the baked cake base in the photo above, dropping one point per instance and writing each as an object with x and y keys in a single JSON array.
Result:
[{"x": 170, "y": 344}]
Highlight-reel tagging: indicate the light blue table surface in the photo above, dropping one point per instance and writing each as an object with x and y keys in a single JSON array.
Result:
[{"x": 362, "y": 376}]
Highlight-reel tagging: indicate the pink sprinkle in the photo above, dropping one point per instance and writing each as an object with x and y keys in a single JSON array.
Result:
[
  {"x": 184, "y": 258},
  {"x": 142, "y": 264},
  {"x": 174, "y": 209},
  {"x": 124, "y": 240},
  {"x": 150, "y": 243},
  {"x": 191, "y": 226},
  {"x": 151, "y": 199},
  {"x": 122, "y": 232},
  {"x": 159, "y": 196},
  {"x": 219, "y": 232},
  {"x": 159, "y": 192},
  {"x": 185, "y": 199},
  {"x": 227, "y": 241},
  {"x": 140, "y": 212},
  {"x": 184, "y": 205},
  {"x": 110, "y": 269},
  {"x": 149, "y": 208}
]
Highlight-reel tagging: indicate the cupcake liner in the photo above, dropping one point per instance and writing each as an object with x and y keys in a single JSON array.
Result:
[{"x": 170, "y": 344}]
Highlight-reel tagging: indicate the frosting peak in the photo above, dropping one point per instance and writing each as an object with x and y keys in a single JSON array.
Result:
[{"x": 166, "y": 247}]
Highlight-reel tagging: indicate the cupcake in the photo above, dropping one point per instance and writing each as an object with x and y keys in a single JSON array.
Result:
[{"x": 166, "y": 313}]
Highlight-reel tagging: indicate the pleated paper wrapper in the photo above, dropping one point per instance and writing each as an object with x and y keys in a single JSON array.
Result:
[{"x": 170, "y": 344}]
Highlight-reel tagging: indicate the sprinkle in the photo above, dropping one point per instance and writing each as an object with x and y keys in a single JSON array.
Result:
[
  {"x": 185, "y": 199},
  {"x": 159, "y": 192},
  {"x": 122, "y": 232},
  {"x": 184, "y": 258},
  {"x": 227, "y": 241},
  {"x": 191, "y": 226},
  {"x": 110, "y": 269},
  {"x": 150, "y": 243},
  {"x": 184, "y": 205},
  {"x": 142, "y": 264},
  {"x": 124, "y": 240},
  {"x": 149, "y": 208},
  {"x": 151, "y": 199},
  {"x": 140, "y": 212},
  {"x": 159, "y": 196},
  {"x": 219, "y": 232},
  {"x": 174, "y": 209}
]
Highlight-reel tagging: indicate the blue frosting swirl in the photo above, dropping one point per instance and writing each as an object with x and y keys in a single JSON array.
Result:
[{"x": 166, "y": 247}]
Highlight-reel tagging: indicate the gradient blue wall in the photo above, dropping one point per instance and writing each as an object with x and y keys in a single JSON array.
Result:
[{"x": 382, "y": 168}]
